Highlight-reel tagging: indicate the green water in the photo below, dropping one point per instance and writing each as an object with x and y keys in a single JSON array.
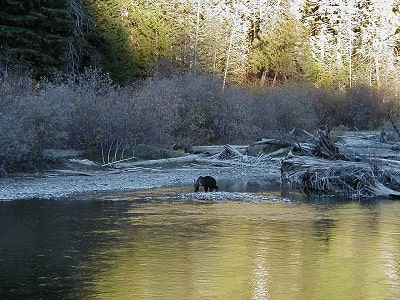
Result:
[{"x": 140, "y": 246}]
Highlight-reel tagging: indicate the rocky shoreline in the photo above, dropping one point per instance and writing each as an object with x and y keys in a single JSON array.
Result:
[{"x": 61, "y": 183}]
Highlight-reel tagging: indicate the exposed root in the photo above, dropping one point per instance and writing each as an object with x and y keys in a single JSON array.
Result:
[{"x": 321, "y": 168}]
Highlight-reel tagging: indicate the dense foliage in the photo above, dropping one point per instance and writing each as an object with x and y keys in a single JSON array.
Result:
[
  {"x": 47, "y": 38},
  {"x": 90, "y": 112},
  {"x": 35, "y": 35}
]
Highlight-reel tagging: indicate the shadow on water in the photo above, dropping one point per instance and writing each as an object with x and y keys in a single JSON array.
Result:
[
  {"x": 248, "y": 186},
  {"x": 257, "y": 186},
  {"x": 264, "y": 185},
  {"x": 42, "y": 243}
]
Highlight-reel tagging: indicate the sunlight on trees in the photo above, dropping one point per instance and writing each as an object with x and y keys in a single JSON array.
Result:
[
  {"x": 356, "y": 39},
  {"x": 331, "y": 43}
]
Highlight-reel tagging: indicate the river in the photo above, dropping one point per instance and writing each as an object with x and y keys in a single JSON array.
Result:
[{"x": 142, "y": 245}]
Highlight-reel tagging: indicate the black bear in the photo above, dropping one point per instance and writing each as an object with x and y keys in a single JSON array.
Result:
[{"x": 207, "y": 182}]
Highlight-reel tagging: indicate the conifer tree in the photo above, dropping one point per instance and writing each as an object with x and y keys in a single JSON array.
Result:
[
  {"x": 35, "y": 35},
  {"x": 279, "y": 51}
]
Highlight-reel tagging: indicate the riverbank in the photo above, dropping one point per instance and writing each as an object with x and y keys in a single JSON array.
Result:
[{"x": 62, "y": 183}]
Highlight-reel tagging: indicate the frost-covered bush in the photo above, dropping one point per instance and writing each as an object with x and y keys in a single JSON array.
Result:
[
  {"x": 17, "y": 137},
  {"x": 366, "y": 108},
  {"x": 285, "y": 107},
  {"x": 90, "y": 112}
]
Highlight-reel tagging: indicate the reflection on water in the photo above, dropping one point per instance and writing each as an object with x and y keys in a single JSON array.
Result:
[{"x": 139, "y": 246}]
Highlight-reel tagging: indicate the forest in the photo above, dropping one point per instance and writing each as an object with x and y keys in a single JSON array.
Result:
[{"x": 102, "y": 75}]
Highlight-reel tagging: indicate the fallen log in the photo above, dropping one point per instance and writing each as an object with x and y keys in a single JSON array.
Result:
[
  {"x": 320, "y": 145},
  {"x": 181, "y": 159},
  {"x": 109, "y": 164},
  {"x": 227, "y": 162},
  {"x": 230, "y": 152},
  {"x": 264, "y": 141},
  {"x": 210, "y": 150},
  {"x": 275, "y": 153},
  {"x": 344, "y": 178},
  {"x": 366, "y": 145},
  {"x": 362, "y": 167},
  {"x": 68, "y": 173}
]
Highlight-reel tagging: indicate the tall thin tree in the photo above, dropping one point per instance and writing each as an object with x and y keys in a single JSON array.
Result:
[{"x": 196, "y": 42}]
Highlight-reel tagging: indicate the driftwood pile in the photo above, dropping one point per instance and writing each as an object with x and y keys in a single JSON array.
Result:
[
  {"x": 239, "y": 154},
  {"x": 359, "y": 165}
]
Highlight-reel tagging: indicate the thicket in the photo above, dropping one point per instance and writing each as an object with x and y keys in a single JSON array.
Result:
[{"x": 90, "y": 112}]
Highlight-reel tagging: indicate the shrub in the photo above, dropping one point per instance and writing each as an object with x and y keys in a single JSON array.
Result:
[
  {"x": 236, "y": 121},
  {"x": 330, "y": 106},
  {"x": 155, "y": 111},
  {"x": 286, "y": 107},
  {"x": 18, "y": 143},
  {"x": 89, "y": 112},
  {"x": 198, "y": 109},
  {"x": 365, "y": 107}
]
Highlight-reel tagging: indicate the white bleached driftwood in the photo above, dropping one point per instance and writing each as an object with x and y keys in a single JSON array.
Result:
[{"x": 321, "y": 166}]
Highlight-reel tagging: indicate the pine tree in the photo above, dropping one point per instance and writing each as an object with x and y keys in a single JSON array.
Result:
[
  {"x": 35, "y": 35},
  {"x": 279, "y": 50},
  {"x": 117, "y": 57}
]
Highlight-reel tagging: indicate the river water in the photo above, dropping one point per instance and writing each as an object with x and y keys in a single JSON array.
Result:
[{"x": 142, "y": 245}]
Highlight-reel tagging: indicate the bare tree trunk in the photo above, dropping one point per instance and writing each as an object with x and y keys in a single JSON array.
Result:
[
  {"x": 81, "y": 21},
  {"x": 263, "y": 77},
  {"x": 275, "y": 76},
  {"x": 197, "y": 40},
  {"x": 228, "y": 54},
  {"x": 350, "y": 56}
]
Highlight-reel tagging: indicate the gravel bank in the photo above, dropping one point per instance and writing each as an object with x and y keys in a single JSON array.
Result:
[{"x": 59, "y": 184}]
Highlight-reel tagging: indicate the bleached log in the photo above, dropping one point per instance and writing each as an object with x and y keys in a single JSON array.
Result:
[
  {"x": 206, "y": 149},
  {"x": 68, "y": 173},
  {"x": 366, "y": 146},
  {"x": 309, "y": 134},
  {"x": 264, "y": 141},
  {"x": 272, "y": 141},
  {"x": 383, "y": 191},
  {"x": 356, "y": 179},
  {"x": 275, "y": 153},
  {"x": 216, "y": 149},
  {"x": 180, "y": 159},
  {"x": 232, "y": 150},
  {"x": 118, "y": 161},
  {"x": 228, "y": 162}
]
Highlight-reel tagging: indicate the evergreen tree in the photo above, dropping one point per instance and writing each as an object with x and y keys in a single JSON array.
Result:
[
  {"x": 280, "y": 53},
  {"x": 133, "y": 36},
  {"x": 119, "y": 58},
  {"x": 35, "y": 35},
  {"x": 152, "y": 32}
]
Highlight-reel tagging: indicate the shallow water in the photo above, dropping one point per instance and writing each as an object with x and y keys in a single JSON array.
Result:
[{"x": 142, "y": 246}]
